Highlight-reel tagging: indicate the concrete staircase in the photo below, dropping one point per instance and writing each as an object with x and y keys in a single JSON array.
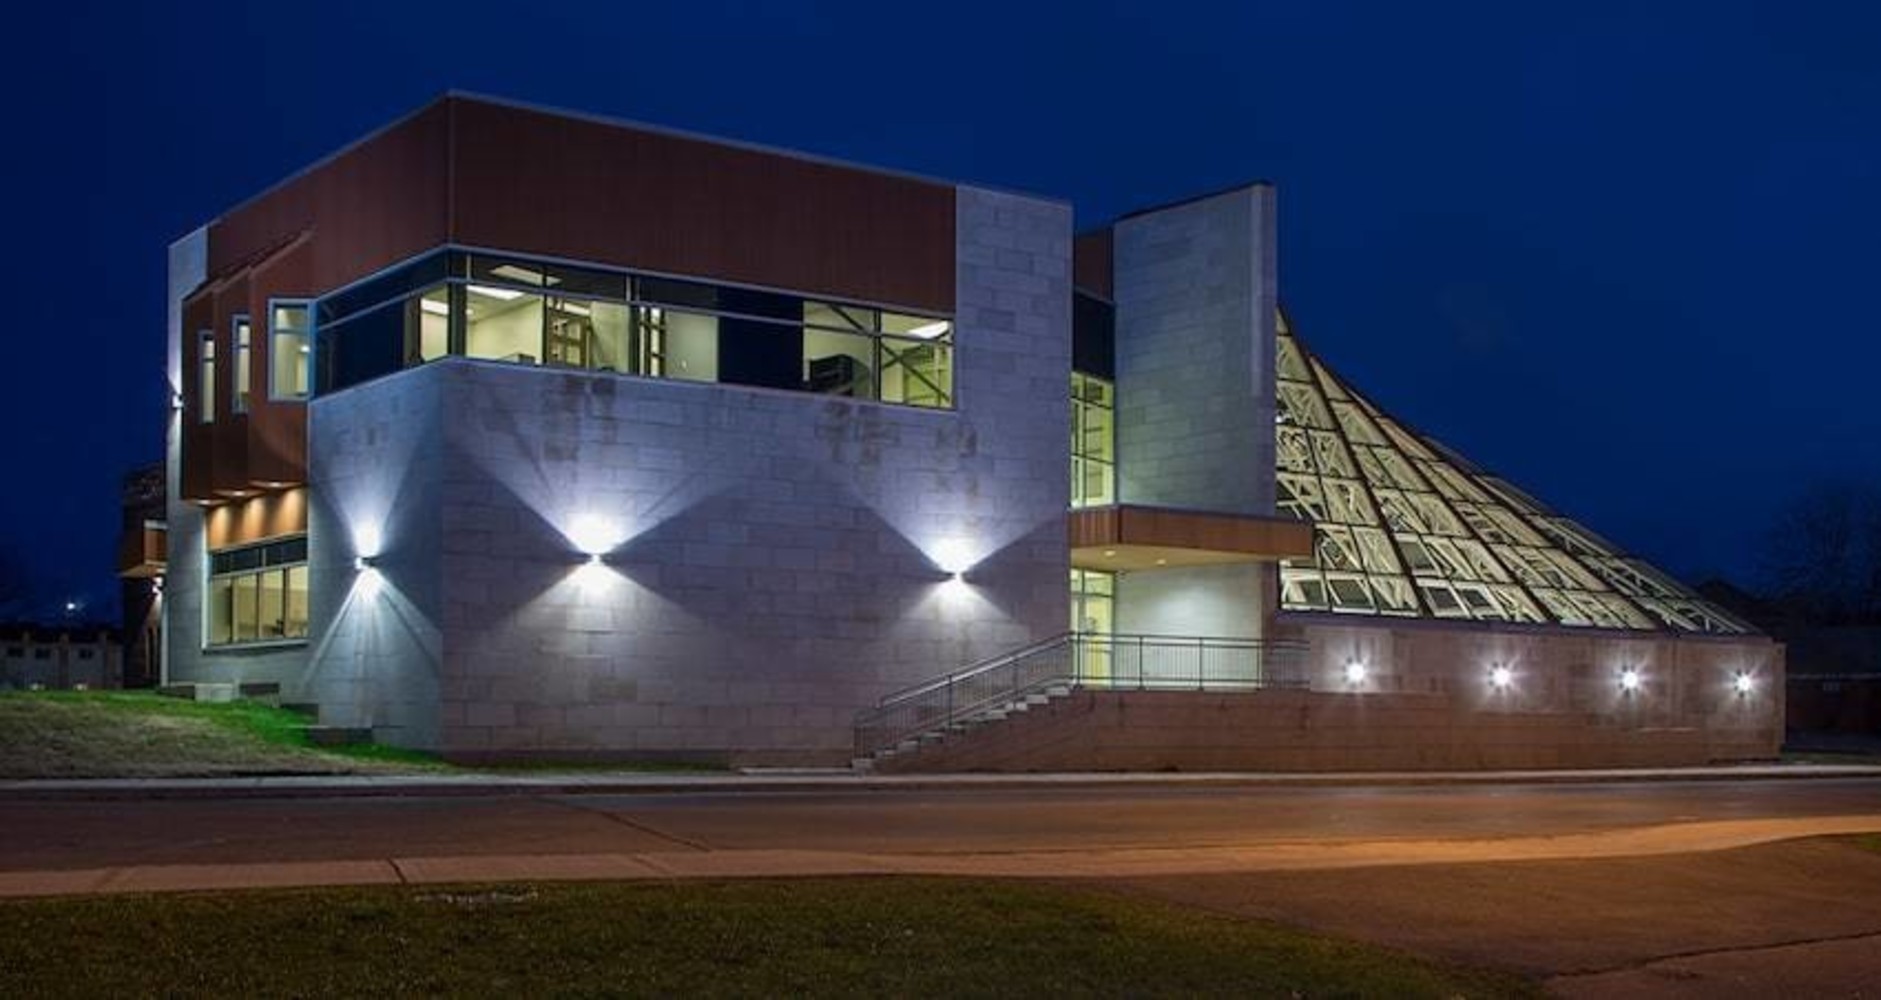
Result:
[{"x": 951, "y": 733}]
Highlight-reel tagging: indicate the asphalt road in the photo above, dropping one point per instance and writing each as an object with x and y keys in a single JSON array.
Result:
[
  {"x": 1599, "y": 890},
  {"x": 48, "y": 835}
]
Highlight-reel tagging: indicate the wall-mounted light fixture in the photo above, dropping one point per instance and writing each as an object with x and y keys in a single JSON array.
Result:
[
  {"x": 1629, "y": 680},
  {"x": 1742, "y": 684},
  {"x": 1501, "y": 677},
  {"x": 952, "y": 556},
  {"x": 594, "y": 536},
  {"x": 1355, "y": 673}
]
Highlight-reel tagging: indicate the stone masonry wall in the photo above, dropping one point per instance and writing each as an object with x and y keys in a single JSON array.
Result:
[
  {"x": 774, "y": 561},
  {"x": 1195, "y": 294}
]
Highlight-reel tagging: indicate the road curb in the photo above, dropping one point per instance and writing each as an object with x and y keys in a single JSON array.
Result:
[{"x": 282, "y": 787}]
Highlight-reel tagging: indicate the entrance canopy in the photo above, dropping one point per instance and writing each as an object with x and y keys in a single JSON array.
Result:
[{"x": 1129, "y": 537}]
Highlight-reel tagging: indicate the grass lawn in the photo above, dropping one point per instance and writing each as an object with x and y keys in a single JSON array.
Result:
[
  {"x": 129, "y": 734},
  {"x": 847, "y": 937}
]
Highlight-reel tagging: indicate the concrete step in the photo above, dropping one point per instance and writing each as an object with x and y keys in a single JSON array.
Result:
[
  {"x": 199, "y": 692},
  {"x": 306, "y": 709},
  {"x": 266, "y": 692},
  {"x": 337, "y": 736}
]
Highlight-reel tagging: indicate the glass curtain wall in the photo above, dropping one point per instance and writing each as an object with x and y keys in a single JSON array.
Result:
[
  {"x": 533, "y": 313},
  {"x": 1404, "y": 526}
]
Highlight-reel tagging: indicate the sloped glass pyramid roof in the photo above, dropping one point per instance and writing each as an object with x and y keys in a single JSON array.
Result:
[{"x": 1407, "y": 527}]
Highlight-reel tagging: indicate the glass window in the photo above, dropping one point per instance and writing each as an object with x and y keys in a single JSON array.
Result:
[
  {"x": 206, "y": 377},
  {"x": 917, "y": 372},
  {"x": 1093, "y": 441},
  {"x": 289, "y": 347},
  {"x": 839, "y": 364},
  {"x": 242, "y": 357},
  {"x": 681, "y": 345},
  {"x": 428, "y": 327},
  {"x": 502, "y": 324},
  {"x": 530, "y": 312},
  {"x": 258, "y": 593}
]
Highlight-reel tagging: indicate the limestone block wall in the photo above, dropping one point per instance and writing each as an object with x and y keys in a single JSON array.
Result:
[
  {"x": 375, "y": 475},
  {"x": 1426, "y": 703},
  {"x": 1310, "y": 731},
  {"x": 1685, "y": 682},
  {"x": 1213, "y": 601},
  {"x": 1195, "y": 297},
  {"x": 764, "y": 563}
]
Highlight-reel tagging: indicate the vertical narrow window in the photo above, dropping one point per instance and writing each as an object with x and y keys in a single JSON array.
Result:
[
  {"x": 206, "y": 377},
  {"x": 289, "y": 347},
  {"x": 242, "y": 366},
  {"x": 1093, "y": 441}
]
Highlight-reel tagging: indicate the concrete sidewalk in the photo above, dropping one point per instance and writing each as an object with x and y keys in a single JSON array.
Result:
[
  {"x": 1116, "y": 863},
  {"x": 784, "y": 780}
]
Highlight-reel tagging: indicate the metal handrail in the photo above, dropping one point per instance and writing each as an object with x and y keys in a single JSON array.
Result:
[{"x": 1080, "y": 659}]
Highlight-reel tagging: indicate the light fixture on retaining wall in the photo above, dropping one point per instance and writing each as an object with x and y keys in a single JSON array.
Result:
[
  {"x": 1742, "y": 684},
  {"x": 1355, "y": 673},
  {"x": 1629, "y": 680},
  {"x": 1501, "y": 677}
]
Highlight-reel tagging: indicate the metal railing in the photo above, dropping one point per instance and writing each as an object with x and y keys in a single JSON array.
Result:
[{"x": 1081, "y": 659}]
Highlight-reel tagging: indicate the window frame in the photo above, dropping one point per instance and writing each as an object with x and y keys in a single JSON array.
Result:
[
  {"x": 644, "y": 293},
  {"x": 308, "y": 340},
  {"x": 241, "y": 340},
  {"x": 254, "y": 577},
  {"x": 206, "y": 376}
]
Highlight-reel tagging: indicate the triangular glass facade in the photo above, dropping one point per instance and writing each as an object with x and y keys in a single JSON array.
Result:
[{"x": 1406, "y": 527}]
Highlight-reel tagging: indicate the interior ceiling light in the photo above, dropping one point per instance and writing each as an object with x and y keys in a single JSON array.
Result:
[
  {"x": 520, "y": 275},
  {"x": 434, "y": 307},
  {"x": 928, "y": 331},
  {"x": 575, "y": 309},
  {"x": 499, "y": 294}
]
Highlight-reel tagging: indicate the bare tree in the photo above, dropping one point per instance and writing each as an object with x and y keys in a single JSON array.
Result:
[{"x": 1822, "y": 559}]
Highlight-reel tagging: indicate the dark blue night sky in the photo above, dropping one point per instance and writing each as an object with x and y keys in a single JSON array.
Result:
[{"x": 1626, "y": 258}]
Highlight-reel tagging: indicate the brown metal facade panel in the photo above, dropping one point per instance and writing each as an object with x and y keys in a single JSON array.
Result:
[
  {"x": 229, "y": 434},
  {"x": 534, "y": 182},
  {"x": 1091, "y": 267},
  {"x": 1092, "y": 527},
  {"x": 377, "y": 203},
  {"x": 277, "y": 430},
  {"x": 1154, "y": 527},
  {"x": 197, "y": 438},
  {"x": 1264, "y": 536},
  {"x": 142, "y": 550}
]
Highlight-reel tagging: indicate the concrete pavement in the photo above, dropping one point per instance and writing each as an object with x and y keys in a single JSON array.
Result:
[{"x": 1684, "y": 838}]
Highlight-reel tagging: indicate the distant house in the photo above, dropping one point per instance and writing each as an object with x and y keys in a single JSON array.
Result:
[{"x": 59, "y": 657}]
